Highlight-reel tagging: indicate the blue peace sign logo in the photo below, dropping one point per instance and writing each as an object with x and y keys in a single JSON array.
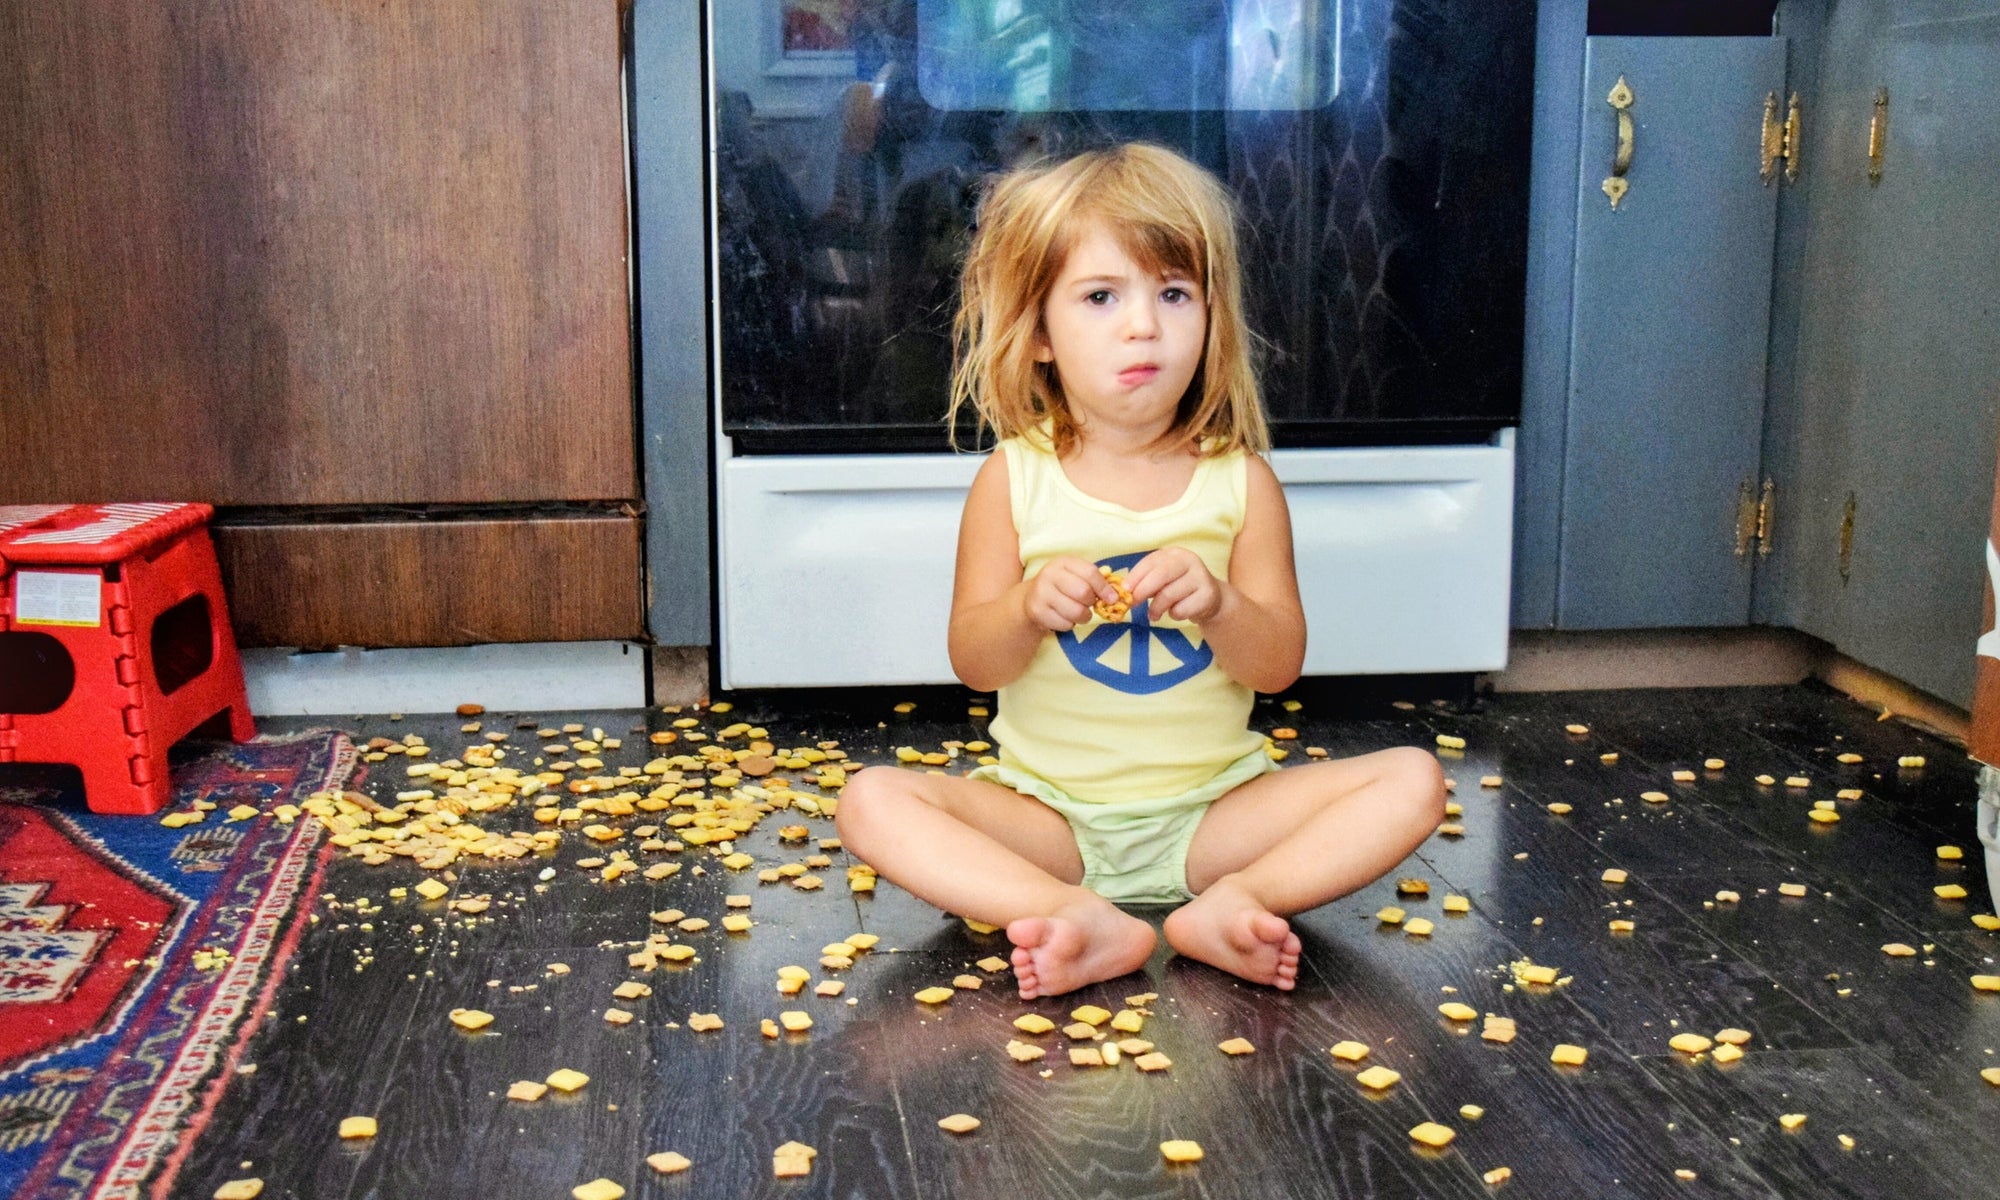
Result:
[{"x": 1087, "y": 653}]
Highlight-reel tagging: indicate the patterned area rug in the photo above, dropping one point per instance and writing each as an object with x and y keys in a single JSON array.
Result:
[{"x": 136, "y": 960}]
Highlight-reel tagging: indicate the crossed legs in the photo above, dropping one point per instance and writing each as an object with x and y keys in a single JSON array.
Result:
[{"x": 1278, "y": 845}]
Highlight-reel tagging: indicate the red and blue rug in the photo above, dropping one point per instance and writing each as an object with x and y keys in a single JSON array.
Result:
[{"x": 136, "y": 960}]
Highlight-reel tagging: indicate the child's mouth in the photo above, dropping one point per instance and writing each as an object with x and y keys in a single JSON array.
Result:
[{"x": 1134, "y": 376}]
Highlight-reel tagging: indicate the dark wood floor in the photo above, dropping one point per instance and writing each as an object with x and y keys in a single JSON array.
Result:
[{"x": 1886, "y": 1051}]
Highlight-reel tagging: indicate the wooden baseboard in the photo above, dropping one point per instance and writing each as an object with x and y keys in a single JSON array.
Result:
[
  {"x": 1892, "y": 695},
  {"x": 1567, "y": 661}
]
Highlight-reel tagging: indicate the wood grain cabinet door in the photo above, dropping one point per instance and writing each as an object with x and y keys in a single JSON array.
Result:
[{"x": 297, "y": 256}]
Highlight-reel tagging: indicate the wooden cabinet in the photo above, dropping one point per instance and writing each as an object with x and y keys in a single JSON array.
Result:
[{"x": 353, "y": 278}]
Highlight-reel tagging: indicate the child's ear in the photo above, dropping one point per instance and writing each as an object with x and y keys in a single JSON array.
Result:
[{"x": 1043, "y": 351}]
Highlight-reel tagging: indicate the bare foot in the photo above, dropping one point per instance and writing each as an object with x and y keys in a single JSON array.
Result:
[
  {"x": 1077, "y": 945},
  {"x": 1225, "y": 927}
]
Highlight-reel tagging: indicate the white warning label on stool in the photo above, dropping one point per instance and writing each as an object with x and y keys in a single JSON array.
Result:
[{"x": 57, "y": 598}]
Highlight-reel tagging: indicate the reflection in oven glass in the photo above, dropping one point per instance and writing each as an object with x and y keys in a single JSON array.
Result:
[{"x": 1378, "y": 150}]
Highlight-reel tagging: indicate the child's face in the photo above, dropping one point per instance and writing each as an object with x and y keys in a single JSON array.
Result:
[{"x": 1125, "y": 342}]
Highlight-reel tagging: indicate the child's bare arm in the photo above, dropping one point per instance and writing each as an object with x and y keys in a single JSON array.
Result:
[
  {"x": 1252, "y": 619},
  {"x": 998, "y": 619}
]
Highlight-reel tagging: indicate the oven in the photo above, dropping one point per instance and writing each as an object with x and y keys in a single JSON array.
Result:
[{"x": 1379, "y": 154}]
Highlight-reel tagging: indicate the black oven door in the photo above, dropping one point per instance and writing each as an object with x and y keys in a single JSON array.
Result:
[{"x": 1378, "y": 150}]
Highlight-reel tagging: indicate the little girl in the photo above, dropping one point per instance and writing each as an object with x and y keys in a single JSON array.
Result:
[{"x": 1101, "y": 334}]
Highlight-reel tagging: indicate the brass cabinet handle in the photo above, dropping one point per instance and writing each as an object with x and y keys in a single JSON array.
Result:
[
  {"x": 1616, "y": 185},
  {"x": 1878, "y": 135}
]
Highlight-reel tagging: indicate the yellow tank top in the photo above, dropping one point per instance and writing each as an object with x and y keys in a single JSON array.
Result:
[{"x": 1128, "y": 710}]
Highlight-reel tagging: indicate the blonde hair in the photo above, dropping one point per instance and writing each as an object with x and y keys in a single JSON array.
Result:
[{"x": 1165, "y": 212}]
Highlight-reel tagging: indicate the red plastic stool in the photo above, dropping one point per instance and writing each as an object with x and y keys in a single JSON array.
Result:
[{"x": 114, "y": 644}]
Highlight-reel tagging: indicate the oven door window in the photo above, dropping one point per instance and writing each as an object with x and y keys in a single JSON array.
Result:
[{"x": 1378, "y": 150}]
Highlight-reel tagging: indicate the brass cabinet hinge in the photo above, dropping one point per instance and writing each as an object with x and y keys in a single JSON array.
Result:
[
  {"x": 1794, "y": 141},
  {"x": 1780, "y": 140},
  {"x": 1766, "y": 529},
  {"x": 1773, "y": 140},
  {"x": 1847, "y": 539},
  {"x": 1753, "y": 517},
  {"x": 1746, "y": 518}
]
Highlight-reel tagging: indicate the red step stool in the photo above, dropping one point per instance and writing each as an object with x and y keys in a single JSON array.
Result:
[{"x": 114, "y": 644}]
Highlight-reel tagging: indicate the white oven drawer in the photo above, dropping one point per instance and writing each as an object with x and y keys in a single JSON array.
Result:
[{"x": 836, "y": 570}]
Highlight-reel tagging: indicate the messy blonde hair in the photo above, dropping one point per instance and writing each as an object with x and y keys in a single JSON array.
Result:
[{"x": 1171, "y": 217}]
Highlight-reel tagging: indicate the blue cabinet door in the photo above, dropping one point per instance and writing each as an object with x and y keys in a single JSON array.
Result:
[{"x": 1669, "y": 328}]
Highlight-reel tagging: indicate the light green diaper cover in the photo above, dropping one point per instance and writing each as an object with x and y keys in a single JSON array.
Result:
[{"x": 1135, "y": 851}]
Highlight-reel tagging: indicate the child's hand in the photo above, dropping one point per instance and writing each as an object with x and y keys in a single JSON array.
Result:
[
  {"x": 1178, "y": 583},
  {"x": 1060, "y": 596}
]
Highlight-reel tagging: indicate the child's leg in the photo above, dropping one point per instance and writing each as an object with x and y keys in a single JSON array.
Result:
[
  {"x": 1293, "y": 840},
  {"x": 987, "y": 852}
]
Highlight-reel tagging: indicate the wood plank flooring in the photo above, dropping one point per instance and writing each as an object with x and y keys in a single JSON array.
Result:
[{"x": 1886, "y": 1051}]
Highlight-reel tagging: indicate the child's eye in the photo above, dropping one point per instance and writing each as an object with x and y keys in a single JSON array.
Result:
[
  {"x": 1176, "y": 295},
  {"x": 1100, "y": 296}
]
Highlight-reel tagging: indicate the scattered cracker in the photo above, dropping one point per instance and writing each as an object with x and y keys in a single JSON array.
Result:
[
  {"x": 471, "y": 1018},
  {"x": 528, "y": 1090},
  {"x": 1568, "y": 1055},
  {"x": 1021, "y": 1051},
  {"x": 1349, "y": 1051},
  {"x": 240, "y": 1189},
  {"x": 1432, "y": 1134},
  {"x": 793, "y": 1159},
  {"x": 566, "y": 1080},
  {"x": 597, "y": 1189},
  {"x": 959, "y": 1123},
  {"x": 357, "y": 1127},
  {"x": 1378, "y": 1078},
  {"x": 1180, "y": 1150},
  {"x": 667, "y": 1162},
  {"x": 1237, "y": 1045}
]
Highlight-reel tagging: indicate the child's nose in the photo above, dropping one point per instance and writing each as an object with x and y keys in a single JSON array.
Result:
[{"x": 1141, "y": 319}]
